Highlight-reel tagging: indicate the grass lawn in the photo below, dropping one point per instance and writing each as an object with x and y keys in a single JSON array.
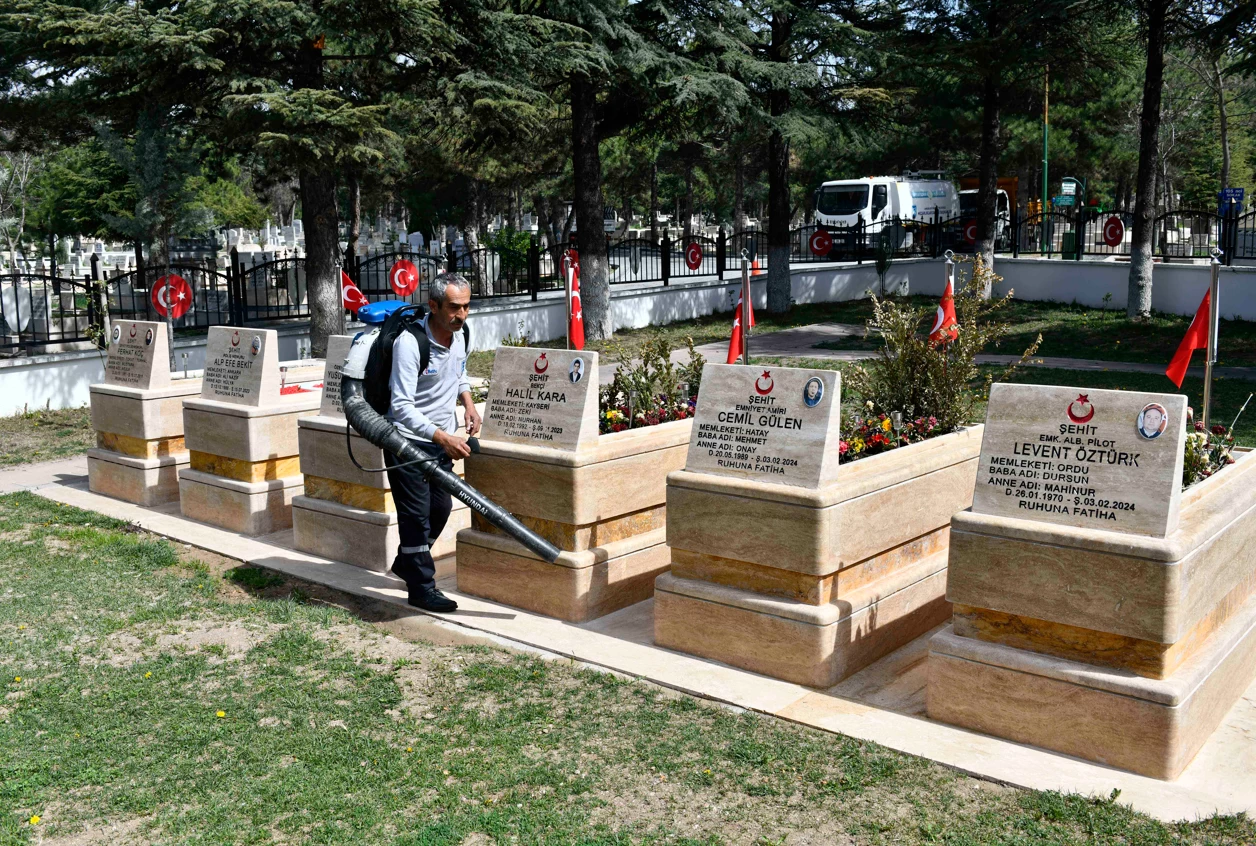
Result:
[
  {"x": 176, "y": 700},
  {"x": 45, "y": 435}
]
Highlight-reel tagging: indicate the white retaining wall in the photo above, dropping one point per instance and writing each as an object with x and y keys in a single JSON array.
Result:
[{"x": 61, "y": 380}]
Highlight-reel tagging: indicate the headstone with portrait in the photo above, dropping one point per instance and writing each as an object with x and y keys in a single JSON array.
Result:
[
  {"x": 773, "y": 424},
  {"x": 337, "y": 351},
  {"x": 1095, "y": 459},
  {"x": 241, "y": 366},
  {"x": 543, "y": 398},
  {"x": 138, "y": 355}
]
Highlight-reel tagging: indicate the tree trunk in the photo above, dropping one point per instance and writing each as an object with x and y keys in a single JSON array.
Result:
[
  {"x": 1223, "y": 120},
  {"x": 586, "y": 162},
  {"x": 779, "y": 289},
  {"x": 688, "y": 223},
  {"x": 355, "y": 212},
  {"x": 318, "y": 211},
  {"x": 739, "y": 191},
  {"x": 1138, "y": 298},
  {"x": 988, "y": 172}
]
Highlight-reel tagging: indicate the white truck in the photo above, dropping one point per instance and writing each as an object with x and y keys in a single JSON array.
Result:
[
  {"x": 882, "y": 203},
  {"x": 1002, "y": 211}
]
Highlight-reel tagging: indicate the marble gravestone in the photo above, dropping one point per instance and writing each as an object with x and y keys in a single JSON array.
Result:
[
  {"x": 241, "y": 366},
  {"x": 1099, "y": 610},
  {"x": 138, "y": 356},
  {"x": 777, "y": 425},
  {"x": 1093, "y": 459},
  {"x": 137, "y": 413},
  {"x": 543, "y": 398},
  {"x": 598, "y": 497},
  {"x": 242, "y": 436},
  {"x": 337, "y": 352}
]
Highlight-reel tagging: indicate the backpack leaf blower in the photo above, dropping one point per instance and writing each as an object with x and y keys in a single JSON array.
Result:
[{"x": 379, "y": 431}]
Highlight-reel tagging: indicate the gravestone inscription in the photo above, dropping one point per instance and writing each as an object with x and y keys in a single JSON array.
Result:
[
  {"x": 139, "y": 355},
  {"x": 1094, "y": 459},
  {"x": 542, "y": 397},
  {"x": 337, "y": 351},
  {"x": 775, "y": 424},
  {"x": 241, "y": 366}
]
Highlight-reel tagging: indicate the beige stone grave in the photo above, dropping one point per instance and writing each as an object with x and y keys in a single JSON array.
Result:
[
  {"x": 1120, "y": 629},
  {"x": 785, "y": 562},
  {"x": 241, "y": 434},
  {"x": 599, "y": 498},
  {"x": 346, "y": 514},
  {"x": 137, "y": 413}
]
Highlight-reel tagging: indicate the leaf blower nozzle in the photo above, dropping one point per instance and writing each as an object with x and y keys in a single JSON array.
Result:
[{"x": 376, "y": 429}]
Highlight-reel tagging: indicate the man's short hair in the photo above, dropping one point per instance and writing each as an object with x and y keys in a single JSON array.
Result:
[{"x": 441, "y": 283}]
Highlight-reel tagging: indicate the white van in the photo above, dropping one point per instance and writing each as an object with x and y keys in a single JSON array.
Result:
[{"x": 873, "y": 199}]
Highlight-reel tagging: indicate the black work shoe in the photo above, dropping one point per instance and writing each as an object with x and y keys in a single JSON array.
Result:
[{"x": 431, "y": 599}]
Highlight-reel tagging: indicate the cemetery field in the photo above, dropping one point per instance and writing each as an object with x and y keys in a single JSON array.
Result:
[
  {"x": 45, "y": 435},
  {"x": 1228, "y": 394},
  {"x": 168, "y": 696}
]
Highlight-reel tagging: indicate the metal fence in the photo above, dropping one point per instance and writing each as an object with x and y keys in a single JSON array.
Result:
[{"x": 45, "y": 314}]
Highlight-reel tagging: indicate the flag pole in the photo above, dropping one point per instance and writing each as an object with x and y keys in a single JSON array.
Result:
[
  {"x": 745, "y": 308},
  {"x": 1213, "y": 312}
]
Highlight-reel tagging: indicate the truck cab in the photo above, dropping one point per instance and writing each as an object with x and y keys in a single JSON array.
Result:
[{"x": 879, "y": 203}]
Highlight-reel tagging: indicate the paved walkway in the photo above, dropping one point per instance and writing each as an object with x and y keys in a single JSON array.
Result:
[
  {"x": 25, "y": 477},
  {"x": 884, "y": 703}
]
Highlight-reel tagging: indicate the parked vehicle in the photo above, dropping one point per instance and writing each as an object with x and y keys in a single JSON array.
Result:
[
  {"x": 881, "y": 204},
  {"x": 1002, "y": 212}
]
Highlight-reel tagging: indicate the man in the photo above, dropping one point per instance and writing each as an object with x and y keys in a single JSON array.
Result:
[
  {"x": 423, "y": 408},
  {"x": 577, "y": 370}
]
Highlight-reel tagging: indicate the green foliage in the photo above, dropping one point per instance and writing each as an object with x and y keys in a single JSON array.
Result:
[
  {"x": 914, "y": 377},
  {"x": 512, "y": 246},
  {"x": 649, "y": 388}
]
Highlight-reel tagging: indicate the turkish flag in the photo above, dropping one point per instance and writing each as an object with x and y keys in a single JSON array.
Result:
[
  {"x": 575, "y": 326},
  {"x": 734, "y": 344},
  {"x": 351, "y": 295},
  {"x": 1196, "y": 339},
  {"x": 945, "y": 325}
]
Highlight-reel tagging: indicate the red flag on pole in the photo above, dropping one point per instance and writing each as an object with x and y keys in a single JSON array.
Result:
[
  {"x": 945, "y": 325},
  {"x": 575, "y": 329},
  {"x": 351, "y": 295},
  {"x": 1196, "y": 339},
  {"x": 734, "y": 344}
]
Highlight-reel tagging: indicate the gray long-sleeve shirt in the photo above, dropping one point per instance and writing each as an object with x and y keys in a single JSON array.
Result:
[{"x": 424, "y": 402}]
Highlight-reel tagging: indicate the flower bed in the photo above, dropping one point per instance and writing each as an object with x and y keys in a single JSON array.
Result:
[{"x": 650, "y": 390}]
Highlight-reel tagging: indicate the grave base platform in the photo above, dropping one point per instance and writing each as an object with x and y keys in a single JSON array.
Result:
[
  {"x": 144, "y": 481},
  {"x": 580, "y": 586},
  {"x": 800, "y": 642},
  {"x": 366, "y": 539},
  {"x": 250, "y": 508},
  {"x": 1152, "y": 727}
]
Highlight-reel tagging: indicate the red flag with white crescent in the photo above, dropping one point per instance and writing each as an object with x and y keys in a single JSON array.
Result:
[
  {"x": 734, "y": 344},
  {"x": 945, "y": 325},
  {"x": 172, "y": 296},
  {"x": 575, "y": 328},
  {"x": 351, "y": 295}
]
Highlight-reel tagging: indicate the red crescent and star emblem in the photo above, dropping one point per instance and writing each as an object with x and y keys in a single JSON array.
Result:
[
  {"x": 235, "y": 338},
  {"x": 541, "y": 364},
  {"x": 133, "y": 330},
  {"x": 761, "y": 387},
  {"x": 1080, "y": 410},
  {"x": 693, "y": 256},
  {"x": 820, "y": 242},
  {"x": 970, "y": 231},
  {"x": 403, "y": 277},
  {"x": 1114, "y": 231},
  {"x": 172, "y": 296}
]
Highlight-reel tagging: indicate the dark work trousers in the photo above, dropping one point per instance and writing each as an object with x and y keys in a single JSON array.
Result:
[{"x": 422, "y": 511}]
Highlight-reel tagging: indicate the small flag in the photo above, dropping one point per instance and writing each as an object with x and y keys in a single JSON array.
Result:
[
  {"x": 945, "y": 325},
  {"x": 575, "y": 328},
  {"x": 1196, "y": 339},
  {"x": 350, "y": 294},
  {"x": 734, "y": 344}
]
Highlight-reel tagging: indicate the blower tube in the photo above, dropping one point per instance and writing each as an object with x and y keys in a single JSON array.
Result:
[{"x": 380, "y": 432}]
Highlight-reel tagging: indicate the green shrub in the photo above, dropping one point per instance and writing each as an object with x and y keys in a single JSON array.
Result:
[{"x": 915, "y": 378}]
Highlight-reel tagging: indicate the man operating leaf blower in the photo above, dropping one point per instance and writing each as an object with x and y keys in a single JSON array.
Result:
[{"x": 413, "y": 370}]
